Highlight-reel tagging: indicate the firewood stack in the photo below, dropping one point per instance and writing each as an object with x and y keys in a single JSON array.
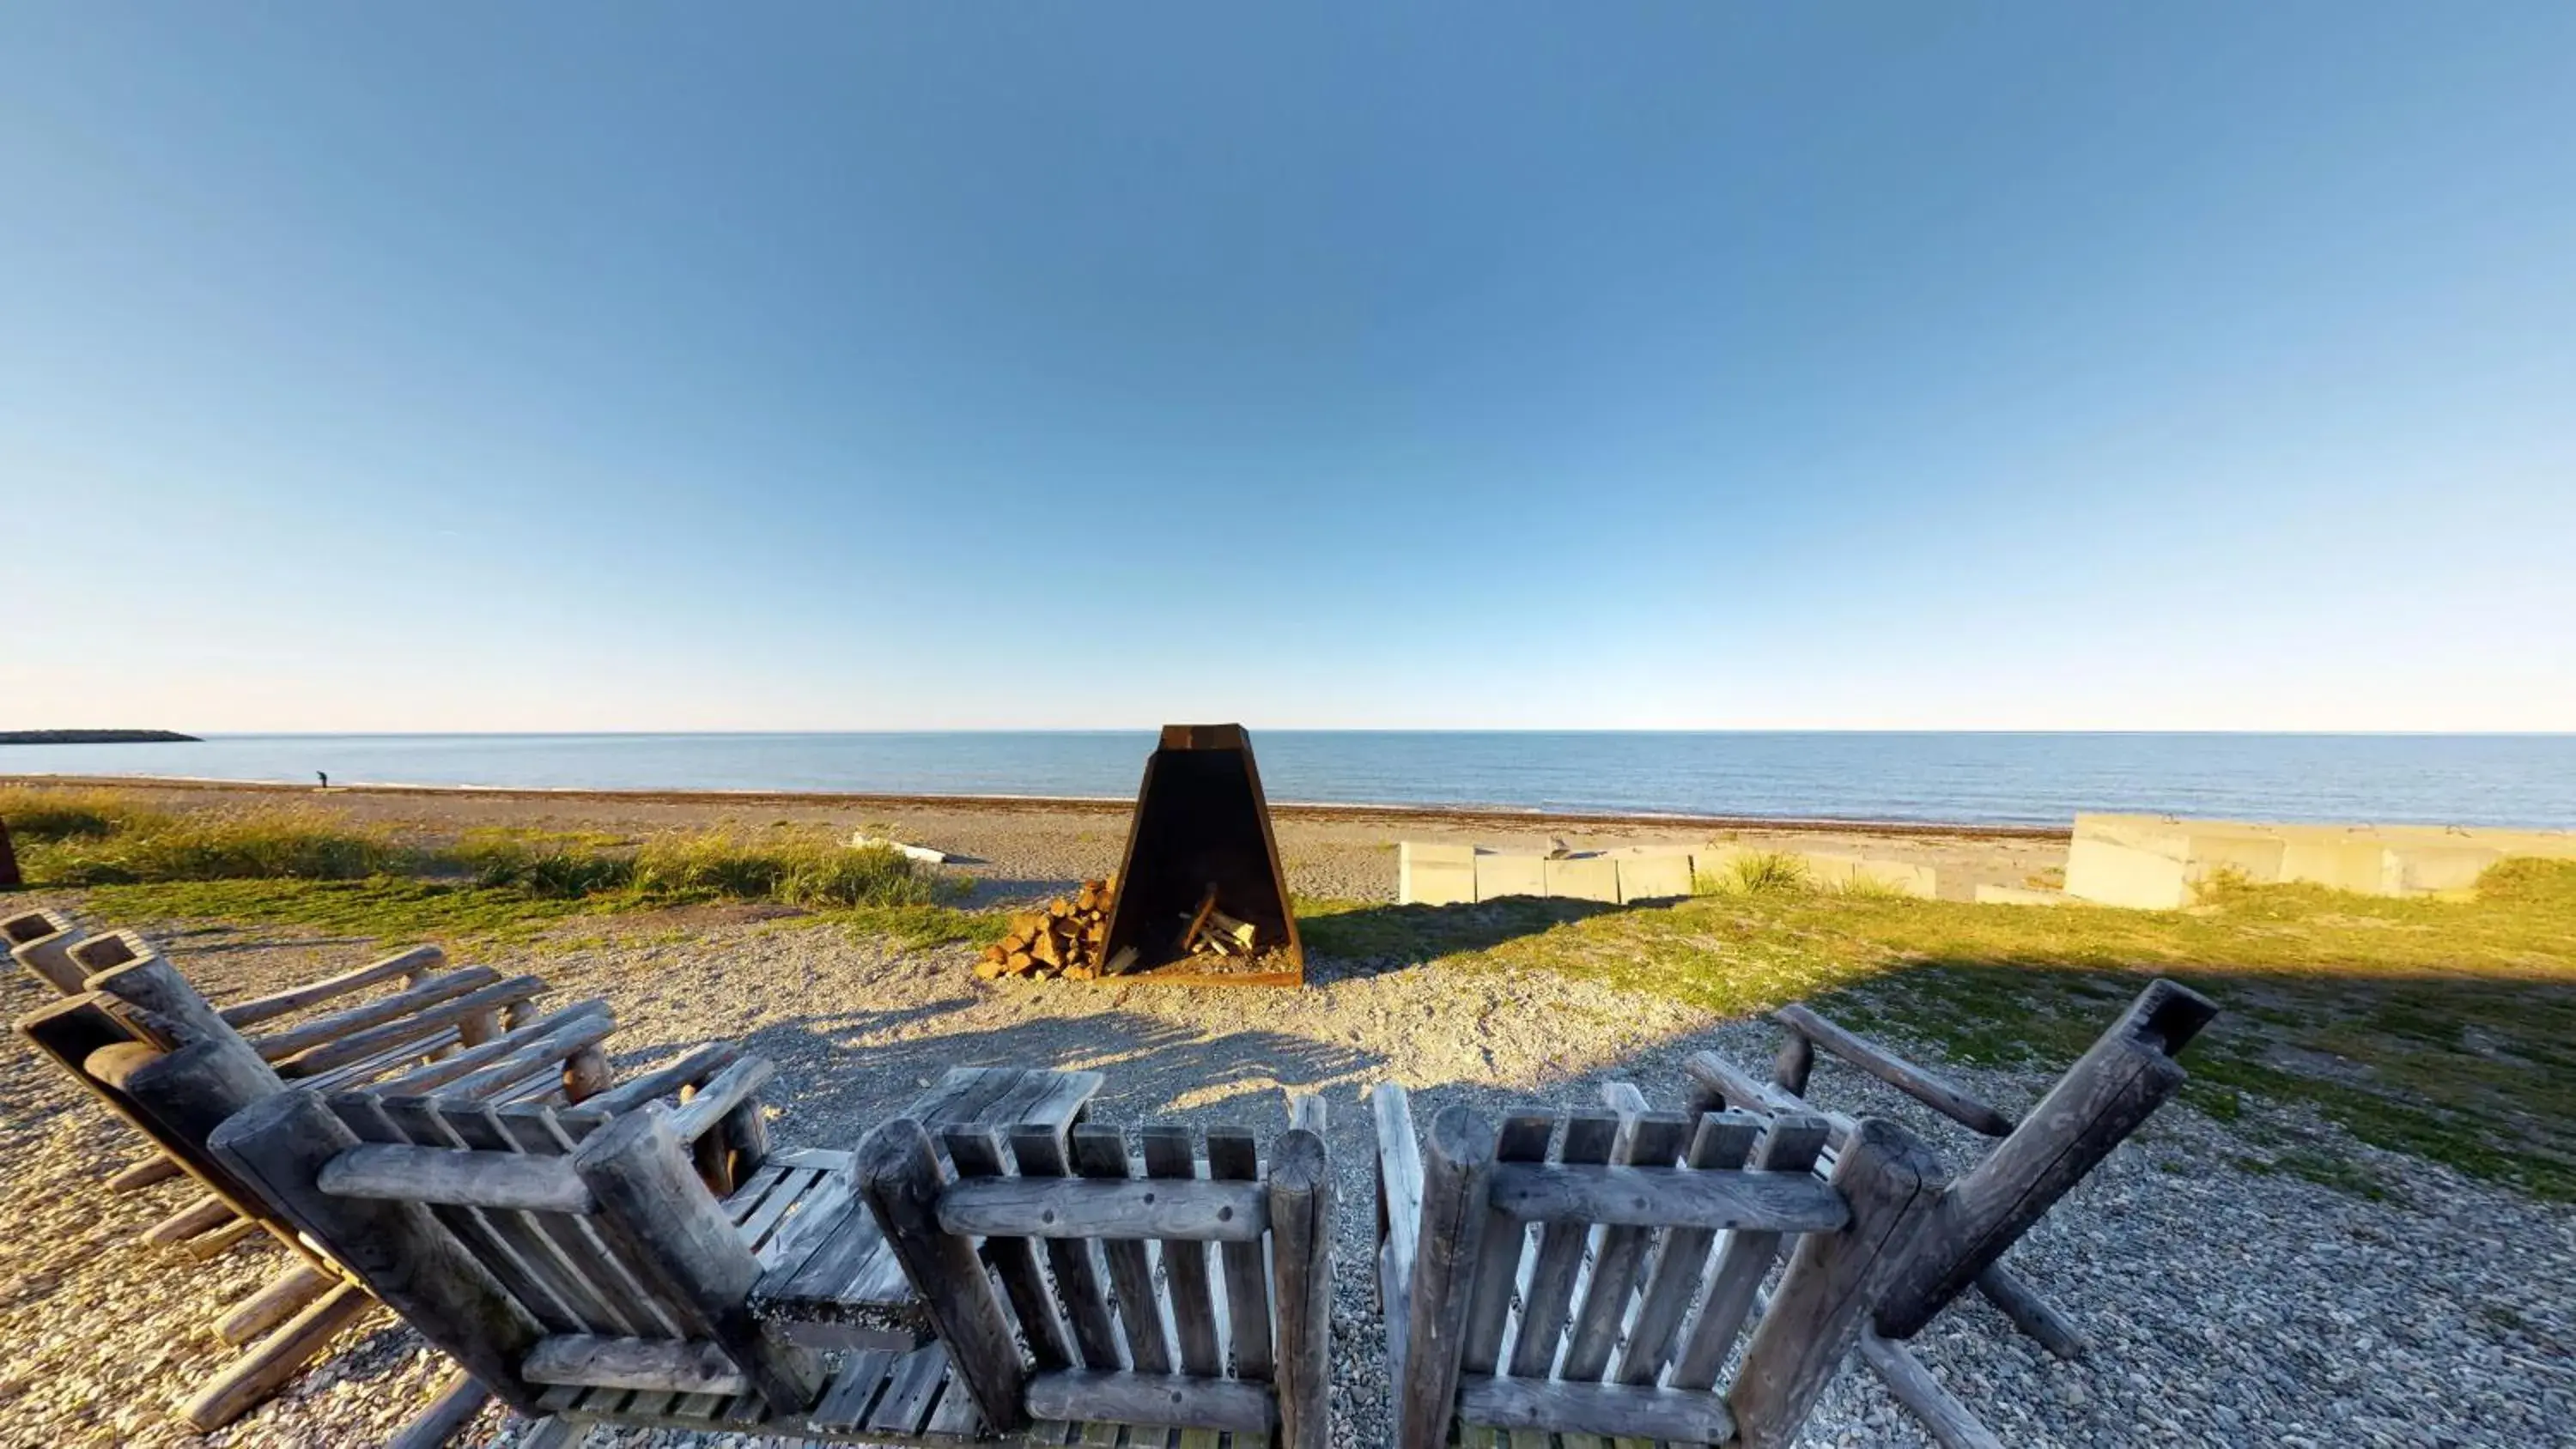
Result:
[
  {"x": 1212, "y": 932},
  {"x": 1062, "y": 940}
]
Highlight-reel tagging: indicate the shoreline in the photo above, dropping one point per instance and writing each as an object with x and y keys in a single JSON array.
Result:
[
  {"x": 1293, "y": 810},
  {"x": 1075, "y": 803}
]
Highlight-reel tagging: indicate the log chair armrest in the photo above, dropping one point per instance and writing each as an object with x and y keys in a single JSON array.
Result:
[
  {"x": 411, "y": 965},
  {"x": 418, "y": 1015},
  {"x": 1928, "y": 1088},
  {"x": 1399, "y": 1205},
  {"x": 692, "y": 1072},
  {"x": 735, "y": 1089}
]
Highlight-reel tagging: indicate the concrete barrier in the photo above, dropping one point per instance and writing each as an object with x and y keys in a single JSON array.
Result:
[
  {"x": 1499, "y": 875},
  {"x": 1833, "y": 870},
  {"x": 1581, "y": 878},
  {"x": 1434, "y": 875},
  {"x": 2159, "y": 863},
  {"x": 1647, "y": 874}
]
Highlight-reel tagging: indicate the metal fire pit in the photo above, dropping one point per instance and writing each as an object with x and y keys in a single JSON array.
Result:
[{"x": 1201, "y": 821}]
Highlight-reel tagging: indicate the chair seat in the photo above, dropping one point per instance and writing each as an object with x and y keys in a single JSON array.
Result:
[
  {"x": 1484, "y": 1436},
  {"x": 794, "y": 1193},
  {"x": 874, "y": 1397}
]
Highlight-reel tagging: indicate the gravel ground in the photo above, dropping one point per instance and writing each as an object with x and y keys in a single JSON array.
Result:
[{"x": 2227, "y": 1307}]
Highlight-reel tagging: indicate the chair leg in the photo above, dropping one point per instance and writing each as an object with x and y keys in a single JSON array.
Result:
[
  {"x": 461, "y": 1401},
  {"x": 1953, "y": 1425},
  {"x": 2015, "y": 1299},
  {"x": 556, "y": 1432},
  {"x": 259, "y": 1373}
]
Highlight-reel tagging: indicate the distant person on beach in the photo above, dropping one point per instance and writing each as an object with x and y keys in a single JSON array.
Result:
[{"x": 324, "y": 776}]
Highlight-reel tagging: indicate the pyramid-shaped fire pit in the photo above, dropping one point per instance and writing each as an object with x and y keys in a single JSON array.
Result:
[{"x": 1200, "y": 897}]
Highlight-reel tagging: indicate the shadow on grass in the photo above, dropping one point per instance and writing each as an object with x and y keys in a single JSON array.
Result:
[{"x": 2473, "y": 1071}]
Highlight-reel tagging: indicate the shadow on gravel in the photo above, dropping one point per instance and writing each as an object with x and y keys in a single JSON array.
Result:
[
  {"x": 1153, "y": 1067},
  {"x": 1387, "y": 938}
]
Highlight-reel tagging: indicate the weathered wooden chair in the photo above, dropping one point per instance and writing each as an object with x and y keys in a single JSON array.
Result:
[
  {"x": 579, "y": 1268},
  {"x": 162, "y": 1057},
  {"x": 434, "y": 1013},
  {"x": 1613, "y": 1320},
  {"x": 2113, "y": 1088}
]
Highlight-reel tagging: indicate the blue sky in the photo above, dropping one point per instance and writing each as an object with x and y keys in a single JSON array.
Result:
[{"x": 593, "y": 366}]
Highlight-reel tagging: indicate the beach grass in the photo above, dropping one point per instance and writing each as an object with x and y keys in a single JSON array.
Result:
[
  {"x": 2445, "y": 1029},
  {"x": 311, "y": 867}
]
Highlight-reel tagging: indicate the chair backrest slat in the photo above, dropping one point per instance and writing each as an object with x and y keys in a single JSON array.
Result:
[
  {"x": 1229, "y": 1340},
  {"x": 1040, "y": 1153},
  {"x": 1638, "y": 1199},
  {"x": 1232, "y": 1157}
]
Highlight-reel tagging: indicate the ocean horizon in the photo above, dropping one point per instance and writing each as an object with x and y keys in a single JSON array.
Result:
[{"x": 1961, "y": 777}]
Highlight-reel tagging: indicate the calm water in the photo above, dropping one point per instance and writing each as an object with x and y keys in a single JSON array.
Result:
[{"x": 2525, "y": 780}]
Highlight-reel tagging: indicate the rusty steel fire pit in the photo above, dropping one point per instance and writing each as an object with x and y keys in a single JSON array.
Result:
[{"x": 1201, "y": 900}]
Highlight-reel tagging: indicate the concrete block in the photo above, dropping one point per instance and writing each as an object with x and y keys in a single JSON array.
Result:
[
  {"x": 2424, "y": 870},
  {"x": 2109, "y": 873},
  {"x": 1716, "y": 863},
  {"x": 2346, "y": 864},
  {"x": 1428, "y": 874},
  {"x": 1499, "y": 875},
  {"x": 2004, "y": 895},
  {"x": 1653, "y": 875},
  {"x": 1833, "y": 870},
  {"x": 1583, "y": 878}
]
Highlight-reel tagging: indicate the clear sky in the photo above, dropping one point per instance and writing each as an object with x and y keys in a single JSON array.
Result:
[{"x": 618, "y": 366}]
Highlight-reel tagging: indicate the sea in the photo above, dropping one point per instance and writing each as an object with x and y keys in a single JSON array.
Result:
[{"x": 2521, "y": 780}]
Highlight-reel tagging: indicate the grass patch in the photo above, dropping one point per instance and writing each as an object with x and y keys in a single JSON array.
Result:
[
  {"x": 383, "y": 908},
  {"x": 271, "y": 865},
  {"x": 798, "y": 870},
  {"x": 40, "y": 815},
  {"x": 263, "y": 845},
  {"x": 2445, "y": 1029}
]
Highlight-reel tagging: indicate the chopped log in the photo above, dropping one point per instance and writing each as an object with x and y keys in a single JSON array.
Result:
[
  {"x": 1123, "y": 962},
  {"x": 1198, "y": 919}
]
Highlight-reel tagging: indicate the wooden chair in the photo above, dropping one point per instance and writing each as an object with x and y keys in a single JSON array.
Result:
[
  {"x": 2107, "y": 1094},
  {"x": 577, "y": 1266},
  {"x": 435, "y": 1013},
  {"x": 1576, "y": 1294},
  {"x": 162, "y": 1057}
]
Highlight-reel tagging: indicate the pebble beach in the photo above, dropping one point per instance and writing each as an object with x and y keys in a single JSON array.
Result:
[{"x": 2226, "y": 1307}]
